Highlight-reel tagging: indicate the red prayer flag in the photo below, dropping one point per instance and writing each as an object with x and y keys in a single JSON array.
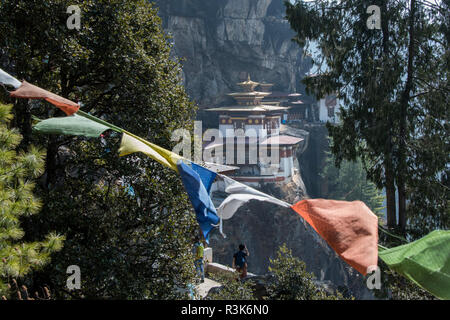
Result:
[
  {"x": 350, "y": 228},
  {"x": 29, "y": 91}
]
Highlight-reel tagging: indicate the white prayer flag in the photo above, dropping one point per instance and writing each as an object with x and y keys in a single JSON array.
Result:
[{"x": 7, "y": 79}]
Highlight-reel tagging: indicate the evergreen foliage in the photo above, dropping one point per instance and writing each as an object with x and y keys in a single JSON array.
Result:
[
  {"x": 393, "y": 83},
  {"x": 232, "y": 289},
  {"x": 18, "y": 170},
  {"x": 349, "y": 183},
  {"x": 291, "y": 281}
]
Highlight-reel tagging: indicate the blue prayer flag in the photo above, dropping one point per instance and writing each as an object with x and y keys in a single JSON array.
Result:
[
  {"x": 197, "y": 181},
  {"x": 207, "y": 176}
]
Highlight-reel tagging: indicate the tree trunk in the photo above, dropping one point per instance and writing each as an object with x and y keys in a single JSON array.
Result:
[
  {"x": 402, "y": 169},
  {"x": 401, "y": 205},
  {"x": 22, "y": 121},
  {"x": 50, "y": 162},
  {"x": 390, "y": 195},
  {"x": 391, "y": 208}
]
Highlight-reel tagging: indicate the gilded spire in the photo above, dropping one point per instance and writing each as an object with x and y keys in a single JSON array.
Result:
[{"x": 249, "y": 85}]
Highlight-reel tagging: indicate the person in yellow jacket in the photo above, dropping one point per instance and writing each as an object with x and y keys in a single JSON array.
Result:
[{"x": 198, "y": 256}]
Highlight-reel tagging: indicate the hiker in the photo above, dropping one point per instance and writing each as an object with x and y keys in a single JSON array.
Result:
[
  {"x": 240, "y": 261},
  {"x": 198, "y": 254}
]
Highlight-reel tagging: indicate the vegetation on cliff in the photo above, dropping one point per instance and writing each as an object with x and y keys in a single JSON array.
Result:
[
  {"x": 291, "y": 281},
  {"x": 232, "y": 289}
]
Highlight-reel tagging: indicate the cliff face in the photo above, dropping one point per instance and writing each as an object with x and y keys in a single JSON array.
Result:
[{"x": 223, "y": 40}]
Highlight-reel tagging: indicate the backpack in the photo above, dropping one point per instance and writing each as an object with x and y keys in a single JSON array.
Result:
[
  {"x": 240, "y": 259},
  {"x": 199, "y": 251}
]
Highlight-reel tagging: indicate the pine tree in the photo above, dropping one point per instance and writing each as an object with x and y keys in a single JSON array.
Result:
[
  {"x": 349, "y": 183},
  {"x": 17, "y": 172},
  {"x": 393, "y": 82},
  {"x": 291, "y": 281}
]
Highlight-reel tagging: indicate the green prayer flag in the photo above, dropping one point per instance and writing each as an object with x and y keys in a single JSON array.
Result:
[
  {"x": 426, "y": 262},
  {"x": 72, "y": 125},
  {"x": 91, "y": 117}
]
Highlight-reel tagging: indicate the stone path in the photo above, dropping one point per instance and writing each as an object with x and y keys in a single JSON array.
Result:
[{"x": 203, "y": 288}]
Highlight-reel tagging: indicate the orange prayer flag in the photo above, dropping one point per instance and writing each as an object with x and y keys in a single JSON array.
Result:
[
  {"x": 350, "y": 228},
  {"x": 29, "y": 91}
]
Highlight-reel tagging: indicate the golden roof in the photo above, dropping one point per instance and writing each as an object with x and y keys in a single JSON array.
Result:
[{"x": 248, "y": 85}]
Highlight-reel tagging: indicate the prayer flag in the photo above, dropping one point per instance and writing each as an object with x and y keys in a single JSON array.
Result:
[
  {"x": 204, "y": 208},
  {"x": 29, "y": 91},
  {"x": 239, "y": 195},
  {"x": 207, "y": 176},
  {"x": 350, "y": 228},
  {"x": 7, "y": 79},
  {"x": 72, "y": 125},
  {"x": 131, "y": 144},
  {"x": 426, "y": 262}
]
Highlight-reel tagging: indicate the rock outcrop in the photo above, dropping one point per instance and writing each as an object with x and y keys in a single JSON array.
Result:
[{"x": 223, "y": 40}]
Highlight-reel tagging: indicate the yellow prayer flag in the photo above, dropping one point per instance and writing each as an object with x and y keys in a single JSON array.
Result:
[{"x": 131, "y": 144}]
